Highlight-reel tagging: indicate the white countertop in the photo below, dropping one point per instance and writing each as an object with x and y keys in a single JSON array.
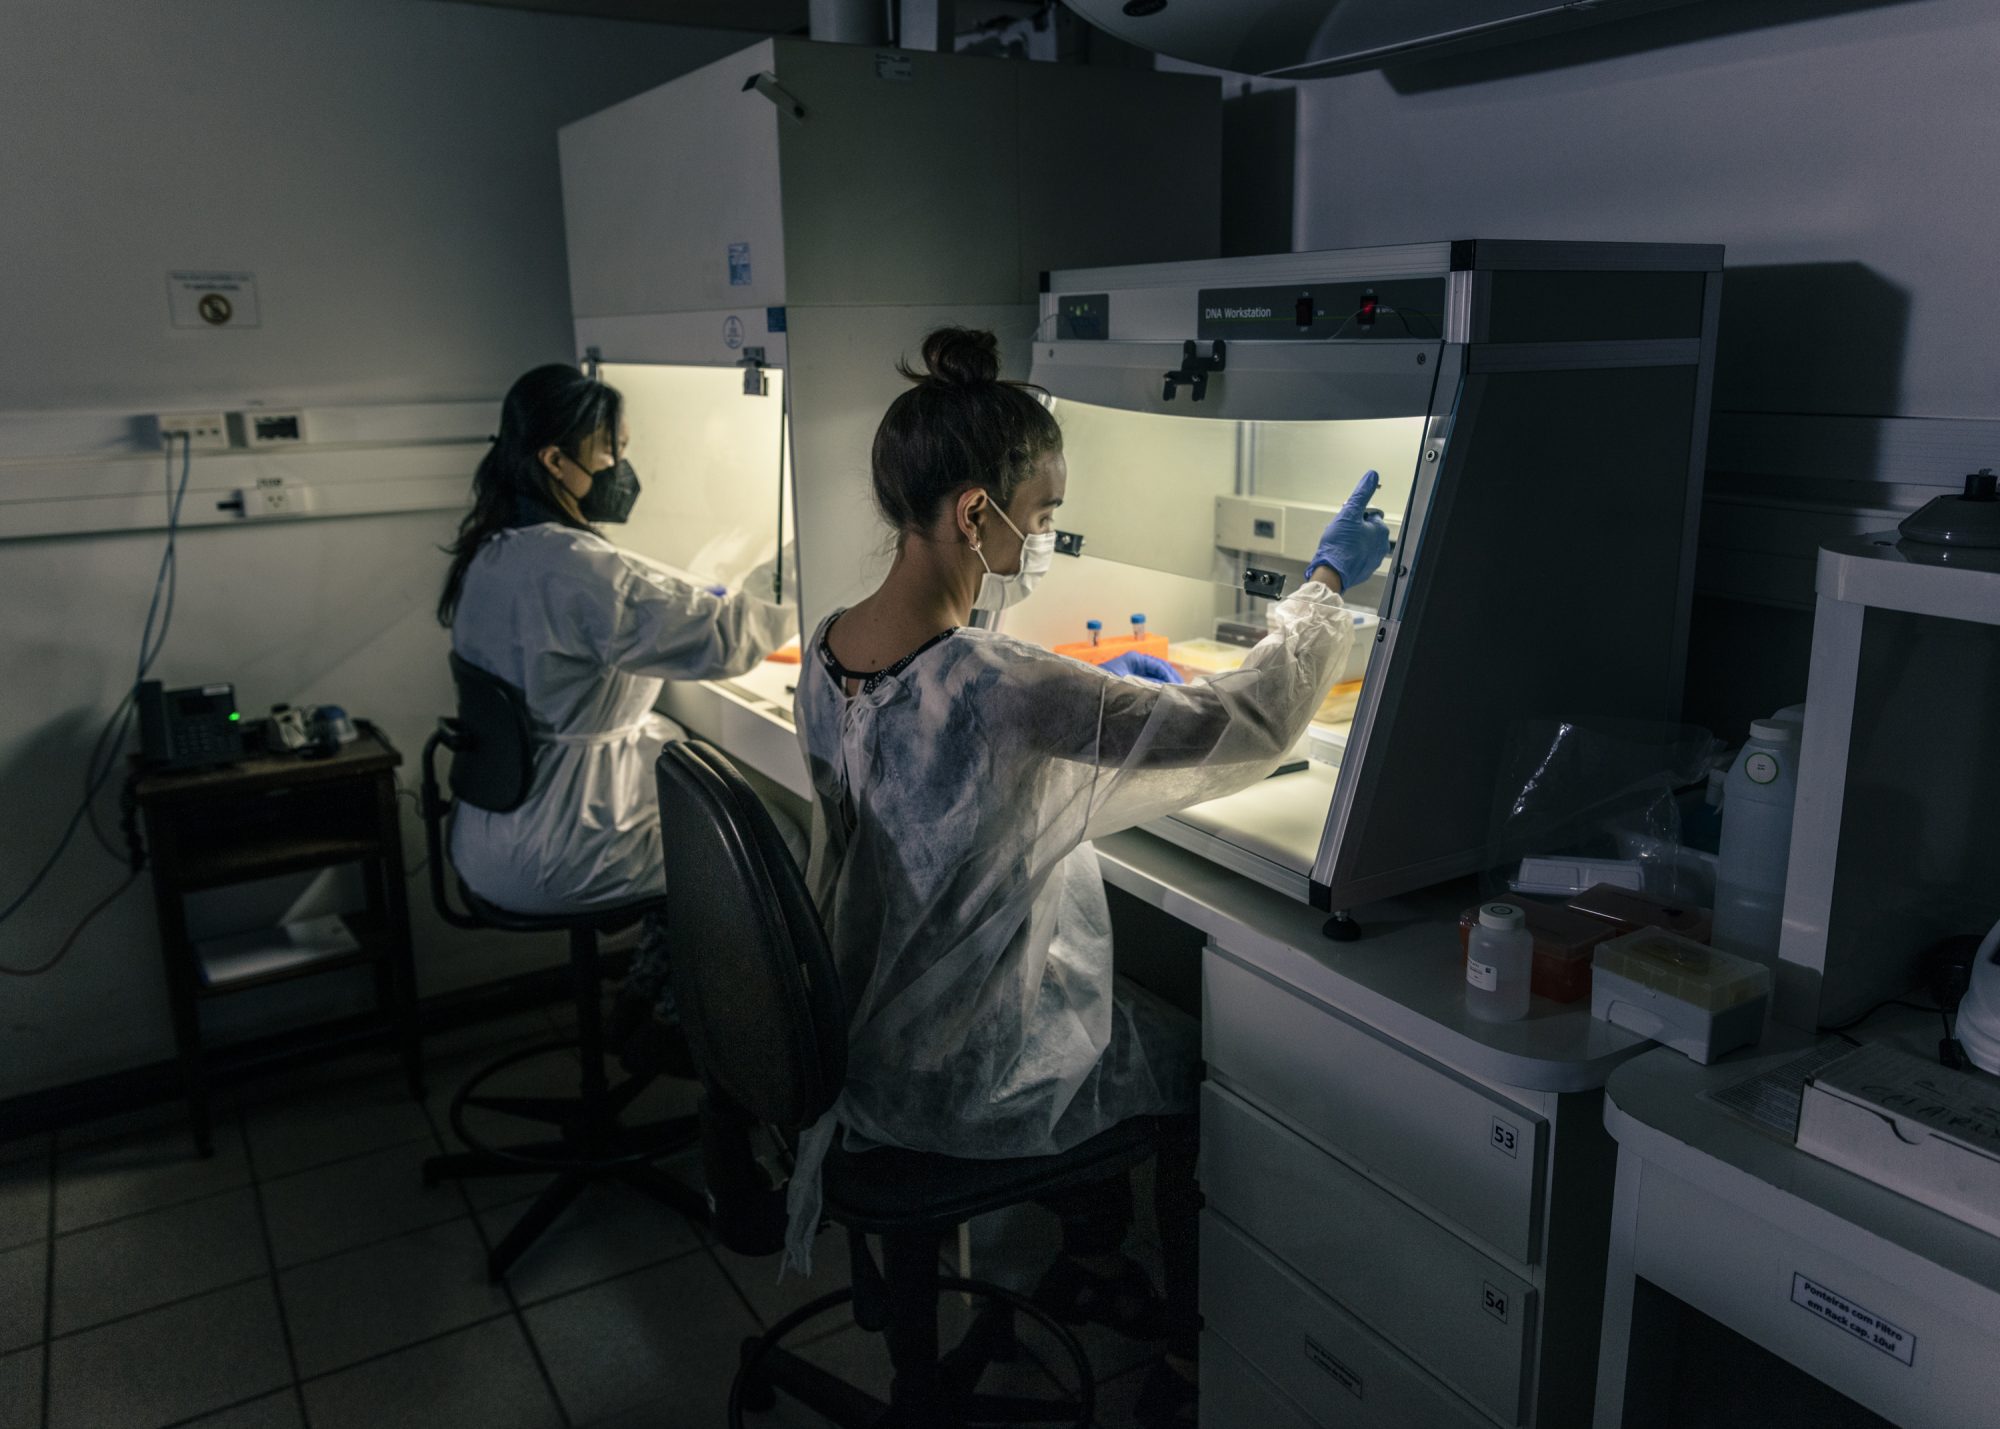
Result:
[
  {"x": 1403, "y": 977},
  {"x": 1656, "y": 1108}
]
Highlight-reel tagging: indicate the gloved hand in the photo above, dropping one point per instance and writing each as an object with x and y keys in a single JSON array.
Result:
[
  {"x": 718, "y": 591},
  {"x": 1146, "y": 667},
  {"x": 1356, "y": 541}
]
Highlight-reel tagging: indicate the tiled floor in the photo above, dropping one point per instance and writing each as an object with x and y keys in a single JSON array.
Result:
[{"x": 303, "y": 1276}]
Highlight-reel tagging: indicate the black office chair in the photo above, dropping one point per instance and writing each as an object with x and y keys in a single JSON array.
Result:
[
  {"x": 492, "y": 767},
  {"x": 762, "y": 1005}
]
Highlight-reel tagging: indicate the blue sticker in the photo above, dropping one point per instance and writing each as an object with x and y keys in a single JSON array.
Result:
[
  {"x": 739, "y": 265},
  {"x": 732, "y": 332},
  {"x": 774, "y": 320}
]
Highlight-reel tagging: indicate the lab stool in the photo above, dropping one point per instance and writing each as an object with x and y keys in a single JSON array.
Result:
[{"x": 586, "y": 1139}]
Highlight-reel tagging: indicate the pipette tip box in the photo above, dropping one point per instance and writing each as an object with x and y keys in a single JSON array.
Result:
[{"x": 1698, "y": 1000}]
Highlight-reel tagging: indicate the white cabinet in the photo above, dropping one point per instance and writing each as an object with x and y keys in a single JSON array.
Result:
[
  {"x": 1326, "y": 1361},
  {"x": 1461, "y": 1315},
  {"x": 1390, "y": 1239},
  {"x": 1466, "y": 1153}
]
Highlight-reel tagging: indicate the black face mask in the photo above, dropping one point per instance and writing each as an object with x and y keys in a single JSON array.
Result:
[{"x": 613, "y": 492}]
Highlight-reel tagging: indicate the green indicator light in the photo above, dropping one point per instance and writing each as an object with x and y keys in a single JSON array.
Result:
[{"x": 233, "y": 715}]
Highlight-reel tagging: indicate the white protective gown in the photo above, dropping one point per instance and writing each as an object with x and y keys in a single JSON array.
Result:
[
  {"x": 955, "y": 799},
  {"x": 590, "y": 633}
]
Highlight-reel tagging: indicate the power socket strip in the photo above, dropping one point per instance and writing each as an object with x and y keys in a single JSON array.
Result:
[
  {"x": 271, "y": 496},
  {"x": 205, "y": 431}
]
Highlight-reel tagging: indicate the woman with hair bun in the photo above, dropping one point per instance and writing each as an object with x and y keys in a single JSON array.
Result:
[{"x": 959, "y": 776}]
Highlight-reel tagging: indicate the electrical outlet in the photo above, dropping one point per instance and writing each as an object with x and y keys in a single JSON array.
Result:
[
  {"x": 271, "y": 496},
  {"x": 205, "y": 431},
  {"x": 259, "y": 427}
]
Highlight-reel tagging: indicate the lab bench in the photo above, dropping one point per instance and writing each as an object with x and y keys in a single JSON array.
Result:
[
  {"x": 749, "y": 718},
  {"x": 1859, "y": 1305}
]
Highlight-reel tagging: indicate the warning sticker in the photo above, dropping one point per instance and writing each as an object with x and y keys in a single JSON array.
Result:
[
  {"x": 1843, "y": 1314},
  {"x": 739, "y": 265},
  {"x": 212, "y": 300}
]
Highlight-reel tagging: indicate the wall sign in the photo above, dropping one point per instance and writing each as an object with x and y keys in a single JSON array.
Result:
[
  {"x": 212, "y": 299},
  {"x": 739, "y": 265}
]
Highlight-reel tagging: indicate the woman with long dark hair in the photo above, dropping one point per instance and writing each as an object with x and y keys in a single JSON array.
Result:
[
  {"x": 958, "y": 778},
  {"x": 590, "y": 633}
]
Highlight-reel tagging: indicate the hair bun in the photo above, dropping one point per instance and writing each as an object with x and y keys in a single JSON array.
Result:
[{"x": 961, "y": 357}]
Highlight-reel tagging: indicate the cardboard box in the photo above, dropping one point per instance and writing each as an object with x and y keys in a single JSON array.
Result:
[{"x": 1906, "y": 1123}]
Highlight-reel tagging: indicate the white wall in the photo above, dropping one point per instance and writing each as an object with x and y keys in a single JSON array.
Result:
[
  {"x": 1860, "y": 137},
  {"x": 388, "y": 170}
]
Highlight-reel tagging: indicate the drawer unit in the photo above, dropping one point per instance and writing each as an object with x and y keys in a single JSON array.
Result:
[
  {"x": 1458, "y": 1313},
  {"x": 1341, "y": 1373},
  {"x": 1473, "y": 1158},
  {"x": 1235, "y": 1396}
]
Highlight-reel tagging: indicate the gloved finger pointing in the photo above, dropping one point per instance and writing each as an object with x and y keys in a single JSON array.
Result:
[{"x": 1364, "y": 490}]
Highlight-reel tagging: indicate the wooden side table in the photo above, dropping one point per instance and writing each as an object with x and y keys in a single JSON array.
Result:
[{"x": 270, "y": 815}]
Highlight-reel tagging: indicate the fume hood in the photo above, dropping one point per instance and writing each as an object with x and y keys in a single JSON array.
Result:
[
  {"x": 1301, "y": 39},
  {"x": 755, "y": 245},
  {"x": 1538, "y": 415}
]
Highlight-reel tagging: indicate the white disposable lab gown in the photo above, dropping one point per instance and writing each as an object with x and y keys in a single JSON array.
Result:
[
  {"x": 590, "y": 633},
  {"x": 956, "y": 795}
]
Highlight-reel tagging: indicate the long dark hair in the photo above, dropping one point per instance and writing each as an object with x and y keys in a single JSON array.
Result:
[
  {"x": 959, "y": 425},
  {"x": 554, "y": 406}
]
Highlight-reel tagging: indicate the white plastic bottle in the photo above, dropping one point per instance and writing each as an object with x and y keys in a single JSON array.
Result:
[
  {"x": 1757, "y": 803},
  {"x": 1499, "y": 964}
]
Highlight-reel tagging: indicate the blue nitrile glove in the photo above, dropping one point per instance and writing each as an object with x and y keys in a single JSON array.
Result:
[
  {"x": 1356, "y": 541},
  {"x": 1146, "y": 667},
  {"x": 718, "y": 591}
]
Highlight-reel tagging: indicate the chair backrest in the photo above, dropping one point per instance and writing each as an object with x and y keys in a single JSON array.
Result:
[
  {"x": 493, "y": 751},
  {"x": 759, "y": 996}
]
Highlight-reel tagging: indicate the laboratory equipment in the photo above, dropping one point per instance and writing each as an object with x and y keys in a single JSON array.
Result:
[
  {"x": 1978, "y": 1024},
  {"x": 755, "y": 245},
  {"x": 1969, "y": 521},
  {"x": 1563, "y": 877},
  {"x": 1564, "y": 940},
  {"x": 1758, "y": 795},
  {"x": 1695, "y": 999},
  {"x": 1898, "y": 807},
  {"x": 1537, "y": 413},
  {"x": 1499, "y": 964},
  {"x": 1628, "y": 911}
]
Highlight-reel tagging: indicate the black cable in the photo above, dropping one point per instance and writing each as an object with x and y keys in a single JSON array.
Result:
[
  {"x": 74, "y": 933},
  {"x": 110, "y": 742},
  {"x": 1885, "y": 1002},
  {"x": 1399, "y": 313}
]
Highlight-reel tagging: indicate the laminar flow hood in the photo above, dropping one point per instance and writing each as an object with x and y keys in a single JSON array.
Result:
[{"x": 1301, "y": 39}]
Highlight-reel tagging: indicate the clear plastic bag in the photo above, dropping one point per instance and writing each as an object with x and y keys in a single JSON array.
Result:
[{"x": 1603, "y": 789}]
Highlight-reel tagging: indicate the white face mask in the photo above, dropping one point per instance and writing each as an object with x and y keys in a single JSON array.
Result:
[{"x": 998, "y": 592}]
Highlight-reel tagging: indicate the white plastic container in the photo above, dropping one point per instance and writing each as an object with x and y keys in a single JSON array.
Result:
[
  {"x": 1499, "y": 964},
  {"x": 1759, "y": 793},
  {"x": 1682, "y": 994}
]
